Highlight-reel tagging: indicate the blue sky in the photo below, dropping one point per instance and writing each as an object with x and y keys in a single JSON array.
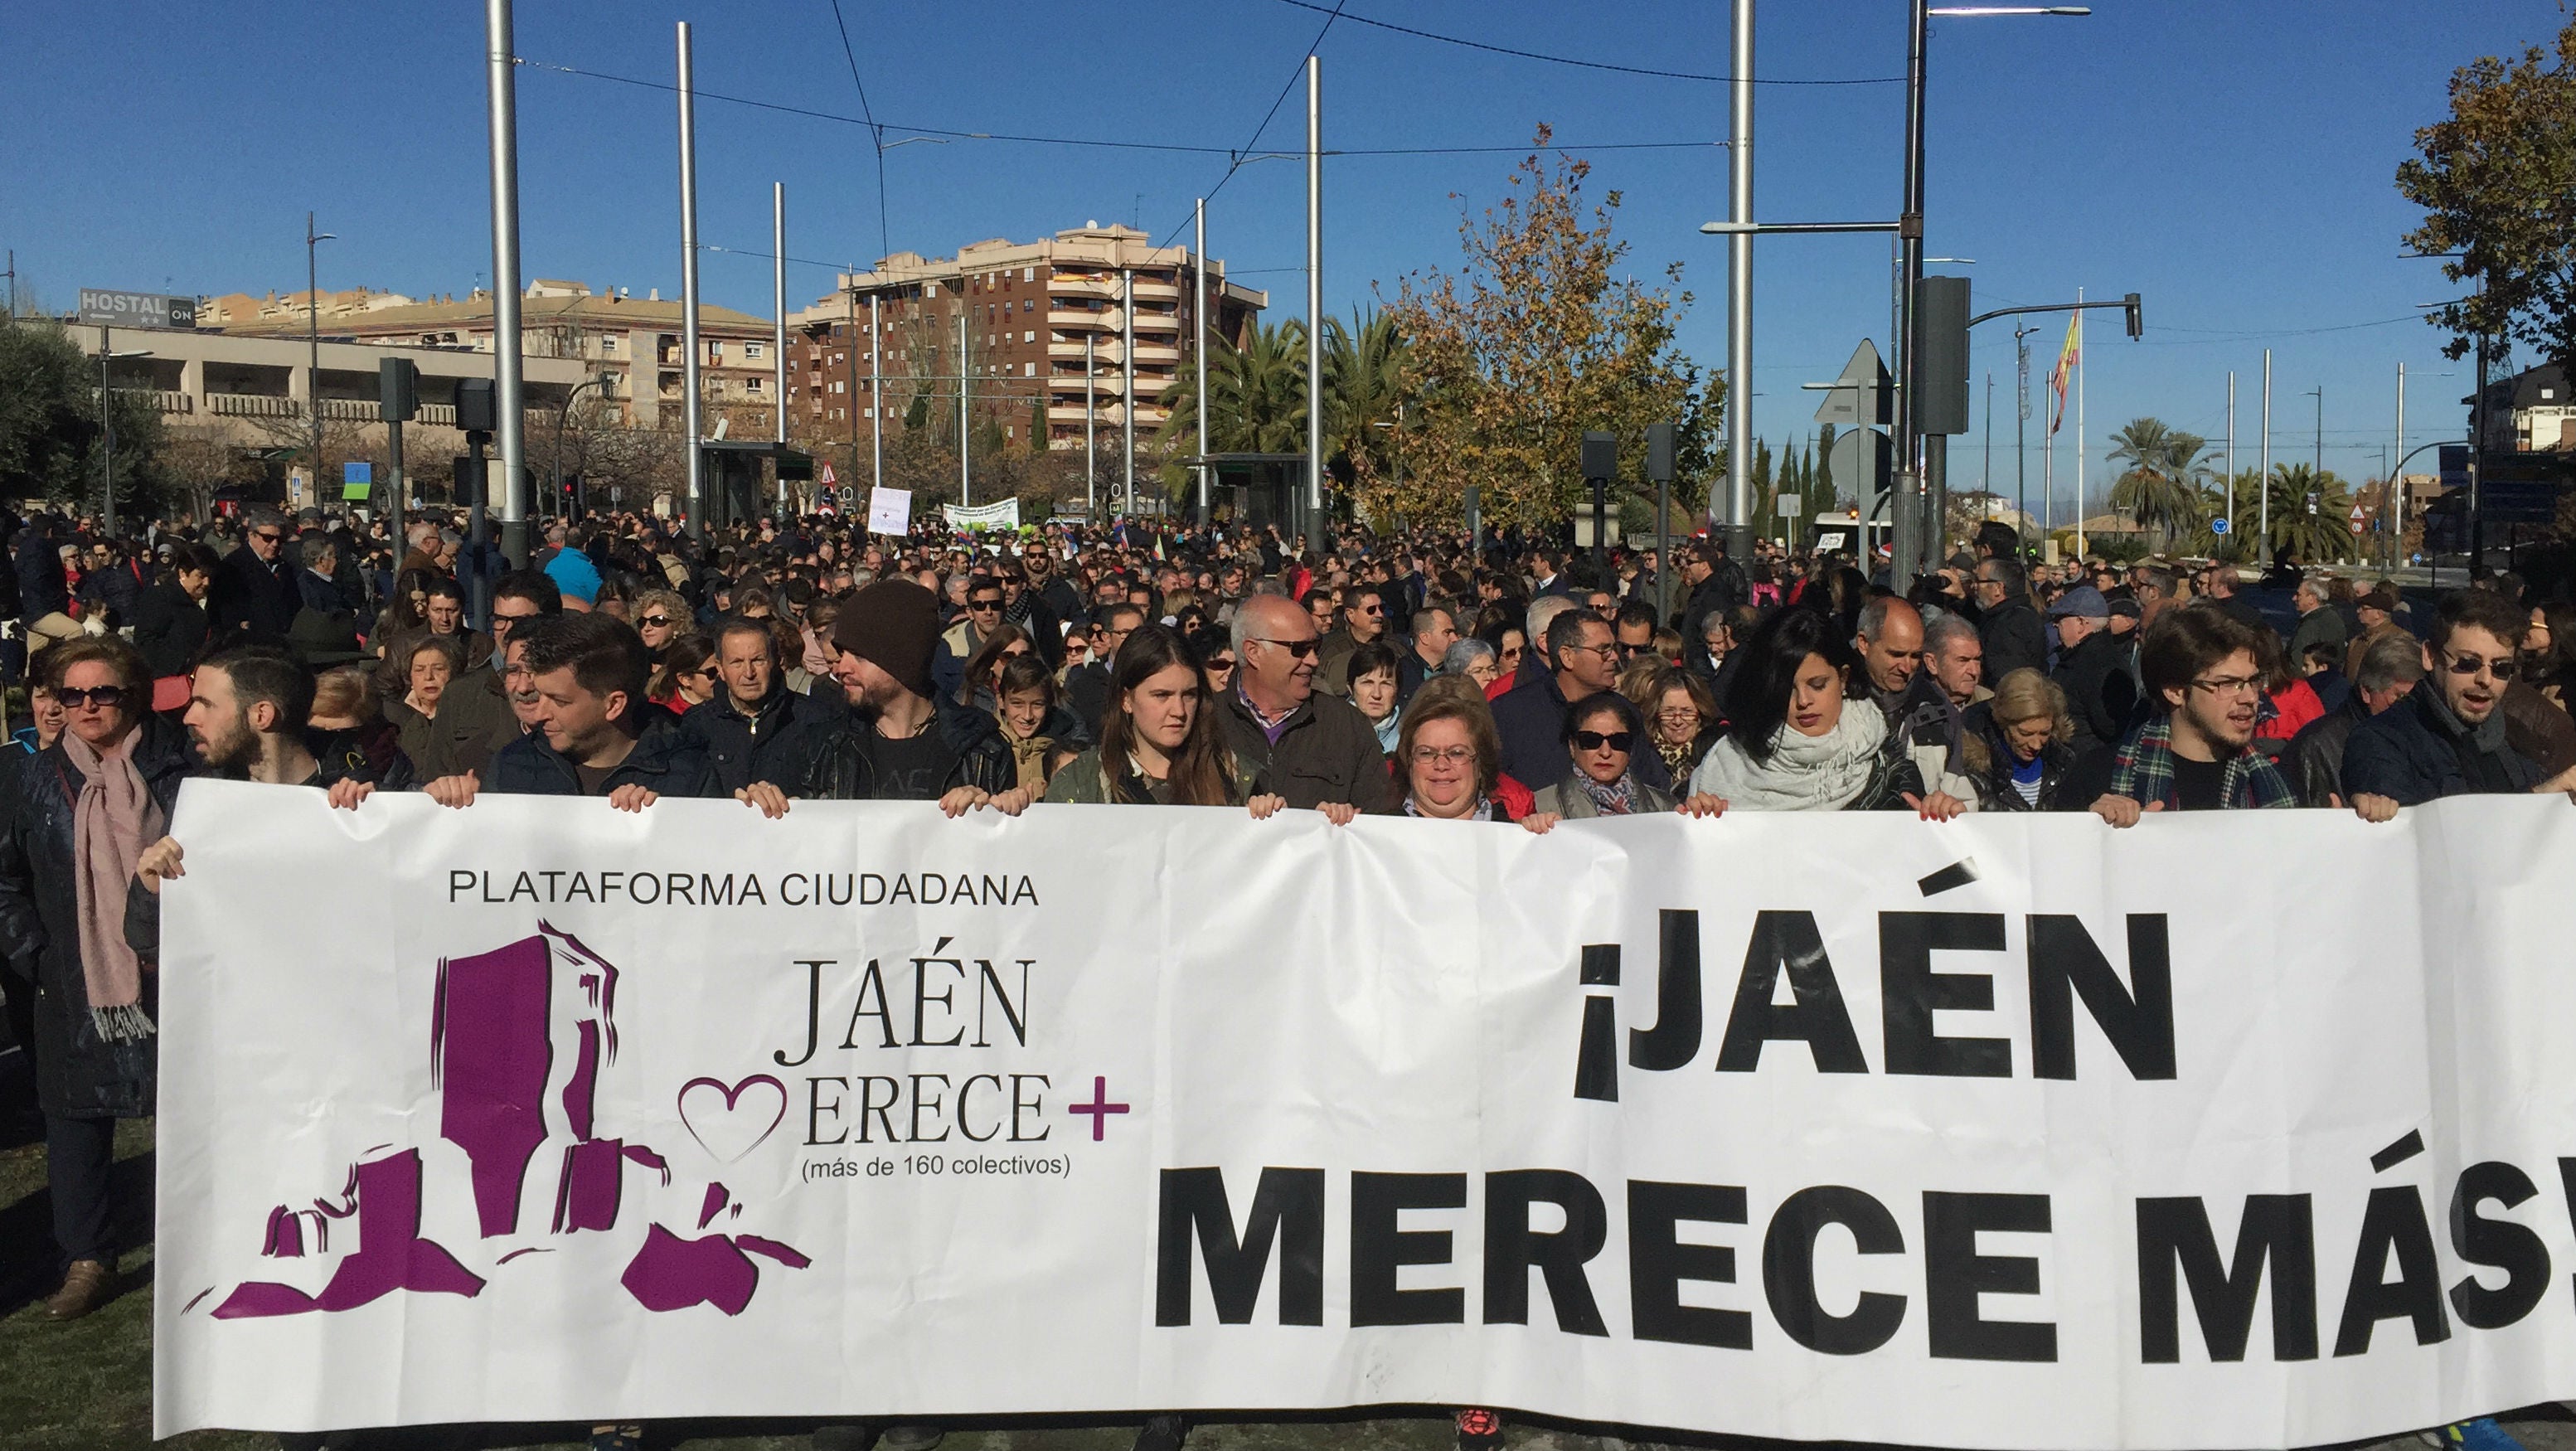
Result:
[{"x": 2229, "y": 159}]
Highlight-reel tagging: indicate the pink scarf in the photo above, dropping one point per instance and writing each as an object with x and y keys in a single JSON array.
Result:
[{"x": 111, "y": 820}]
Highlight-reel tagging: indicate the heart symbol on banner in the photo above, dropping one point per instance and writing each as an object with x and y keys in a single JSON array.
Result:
[{"x": 731, "y": 1122}]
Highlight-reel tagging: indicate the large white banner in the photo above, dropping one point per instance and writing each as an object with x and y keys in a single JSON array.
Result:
[
  {"x": 1004, "y": 515},
  {"x": 2225, "y": 1131}
]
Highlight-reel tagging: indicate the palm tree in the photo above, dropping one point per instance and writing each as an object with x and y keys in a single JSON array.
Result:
[
  {"x": 1367, "y": 372},
  {"x": 1256, "y": 395},
  {"x": 2165, "y": 486},
  {"x": 2311, "y": 538}
]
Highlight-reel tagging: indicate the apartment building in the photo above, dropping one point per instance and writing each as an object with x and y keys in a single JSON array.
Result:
[
  {"x": 1012, "y": 320},
  {"x": 635, "y": 344}
]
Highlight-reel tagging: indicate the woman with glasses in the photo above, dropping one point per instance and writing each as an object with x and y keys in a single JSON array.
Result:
[
  {"x": 1791, "y": 743},
  {"x": 1602, "y": 732},
  {"x": 1216, "y": 660},
  {"x": 1448, "y": 755},
  {"x": 1161, "y": 743},
  {"x": 686, "y": 677},
  {"x": 1680, "y": 714},
  {"x": 77, "y": 820},
  {"x": 660, "y": 617},
  {"x": 983, "y": 672}
]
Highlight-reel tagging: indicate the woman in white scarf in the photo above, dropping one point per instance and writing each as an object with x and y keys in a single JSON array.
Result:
[{"x": 1790, "y": 744}]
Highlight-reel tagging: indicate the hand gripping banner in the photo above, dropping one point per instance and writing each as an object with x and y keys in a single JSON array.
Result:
[{"x": 2255, "y": 1129}]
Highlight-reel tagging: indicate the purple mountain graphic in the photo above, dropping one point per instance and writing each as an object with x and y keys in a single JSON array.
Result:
[{"x": 492, "y": 1049}]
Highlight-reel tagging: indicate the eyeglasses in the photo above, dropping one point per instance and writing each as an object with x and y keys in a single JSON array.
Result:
[
  {"x": 658, "y": 622},
  {"x": 2502, "y": 668},
  {"x": 1297, "y": 649},
  {"x": 1595, "y": 740},
  {"x": 499, "y": 618},
  {"x": 1687, "y": 712},
  {"x": 1219, "y": 667},
  {"x": 1443, "y": 755},
  {"x": 266, "y": 536},
  {"x": 1606, "y": 650},
  {"x": 984, "y": 607},
  {"x": 102, "y": 697},
  {"x": 2231, "y": 685}
]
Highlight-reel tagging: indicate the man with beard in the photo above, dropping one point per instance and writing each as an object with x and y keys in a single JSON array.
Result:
[
  {"x": 2447, "y": 737},
  {"x": 247, "y": 709}
]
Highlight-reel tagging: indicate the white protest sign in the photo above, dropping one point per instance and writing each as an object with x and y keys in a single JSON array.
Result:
[
  {"x": 1004, "y": 515},
  {"x": 889, "y": 510},
  {"x": 2013, "y": 1131}
]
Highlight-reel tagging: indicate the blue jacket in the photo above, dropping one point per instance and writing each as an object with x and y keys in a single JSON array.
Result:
[
  {"x": 2417, "y": 751},
  {"x": 665, "y": 761}
]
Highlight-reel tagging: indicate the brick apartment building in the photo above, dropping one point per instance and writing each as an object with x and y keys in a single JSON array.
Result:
[{"x": 1026, "y": 309}]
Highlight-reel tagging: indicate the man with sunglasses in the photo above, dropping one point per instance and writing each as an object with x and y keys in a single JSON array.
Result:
[
  {"x": 1363, "y": 622},
  {"x": 2447, "y": 736},
  {"x": 1316, "y": 749},
  {"x": 981, "y": 612},
  {"x": 1047, "y": 582},
  {"x": 255, "y": 597}
]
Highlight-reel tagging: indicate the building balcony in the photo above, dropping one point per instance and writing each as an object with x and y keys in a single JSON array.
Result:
[
  {"x": 1162, "y": 291},
  {"x": 1157, "y": 322},
  {"x": 442, "y": 415},
  {"x": 163, "y": 399},
  {"x": 252, "y": 405},
  {"x": 1061, "y": 285},
  {"x": 1079, "y": 319}
]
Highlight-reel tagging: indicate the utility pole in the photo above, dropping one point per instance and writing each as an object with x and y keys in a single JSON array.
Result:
[
  {"x": 2319, "y": 467},
  {"x": 852, "y": 362},
  {"x": 1986, "y": 473},
  {"x": 1314, "y": 300},
  {"x": 2397, "y": 490},
  {"x": 1199, "y": 365},
  {"x": 1739, "y": 302},
  {"x": 965, "y": 481},
  {"x": 2231, "y": 453},
  {"x": 876, "y": 390},
  {"x": 2080, "y": 350},
  {"x": 1090, "y": 430},
  {"x": 313, "y": 342},
  {"x": 107, "y": 433},
  {"x": 1907, "y": 506},
  {"x": 2263, "y": 489},
  {"x": 778, "y": 305},
  {"x": 2021, "y": 423},
  {"x": 694, "y": 513},
  {"x": 508, "y": 378},
  {"x": 1127, "y": 380}
]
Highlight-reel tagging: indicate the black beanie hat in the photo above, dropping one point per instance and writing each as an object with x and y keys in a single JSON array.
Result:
[{"x": 893, "y": 625}]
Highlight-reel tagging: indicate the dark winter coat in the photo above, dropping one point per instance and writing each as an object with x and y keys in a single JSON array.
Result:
[
  {"x": 78, "y": 1075},
  {"x": 2314, "y": 761},
  {"x": 837, "y": 760},
  {"x": 1531, "y": 721},
  {"x": 169, "y": 630},
  {"x": 1991, "y": 760},
  {"x": 1327, "y": 751},
  {"x": 2417, "y": 751},
  {"x": 664, "y": 762},
  {"x": 251, "y": 600},
  {"x": 2084, "y": 673},
  {"x": 2014, "y": 639},
  {"x": 42, "y": 588},
  {"x": 762, "y": 746}
]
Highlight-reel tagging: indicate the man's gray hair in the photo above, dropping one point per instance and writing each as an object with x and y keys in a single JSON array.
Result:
[
  {"x": 261, "y": 516},
  {"x": 2391, "y": 660},
  {"x": 1544, "y": 609},
  {"x": 1464, "y": 654},
  {"x": 315, "y": 548},
  {"x": 1944, "y": 630},
  {"x": 1258, "y": 603},
  {"x": 1873, "y": 616}
]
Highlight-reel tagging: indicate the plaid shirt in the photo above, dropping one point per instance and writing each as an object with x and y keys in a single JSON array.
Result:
[{"x": 2142, "y": 770}]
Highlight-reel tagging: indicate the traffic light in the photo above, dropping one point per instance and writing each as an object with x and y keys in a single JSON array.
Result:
[
  {"x": 1941, "y": 355},
  {"x": 475, "y": 406},
  {"x": 2136, "y": 315},
  {"x": 468, "y": 490},
  {"x": 1659, "y": 452},
  {"x": 399, "y": 398},
  {"x": 571, "y": 502}
]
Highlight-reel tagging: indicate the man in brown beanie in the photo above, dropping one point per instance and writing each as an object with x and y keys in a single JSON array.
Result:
[{"x": 898, "y": 741}]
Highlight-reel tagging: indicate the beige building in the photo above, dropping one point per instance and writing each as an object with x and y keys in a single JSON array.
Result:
[
  {"x": 610, "y": 334},
  {"x": 1025, "y": 310}
]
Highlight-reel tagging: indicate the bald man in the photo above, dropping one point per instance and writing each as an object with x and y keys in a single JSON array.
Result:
[
  {"x": 1315, "y": 750},
  {"x": 1918, "y": 711}
]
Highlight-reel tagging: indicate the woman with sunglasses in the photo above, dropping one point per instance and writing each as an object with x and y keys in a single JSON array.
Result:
[
  {"x": 687, "y": 675},
  {"x": 1216, "y": 661},
  {"x": 979, "y": 689},
  {"x": 78, "y": 818},
  {"x": 660, "y": 617},
  {"x": 1602, "y": 732}
]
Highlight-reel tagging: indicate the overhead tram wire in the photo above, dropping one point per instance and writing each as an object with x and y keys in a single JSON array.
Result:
[
  {"x": 1238, "y": 157},
  {"x": 1592, "y": 65},
  {"x": 876, "y": 133},
  {"x": 1243, "y": 154}
]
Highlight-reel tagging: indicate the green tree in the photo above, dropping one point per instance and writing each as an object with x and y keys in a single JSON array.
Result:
[
  {"x": 2165, "y": 486},
  {"x": 1256, "y": 395},
  {"x": 2317, "y": 537},
  {"x": 2497, "y": 182},
  {"x": 50, "y": 441},
  {"x": 1367, "y": 374},
  {"x": 1537, "y": 338}
]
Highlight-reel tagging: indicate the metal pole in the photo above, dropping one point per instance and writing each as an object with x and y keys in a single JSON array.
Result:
[
  {"x": 2263, "y": 487},
  {"x": 1090, "y": 430},
  {"x": 312, "y": 365},
  {"x": 852, "y": 363},
  {"x": 2319, "y": 467},
  {"x": 107, "y": 436},
  {"x": 2079, "y": 428},
  {"x": 1908, "y": 553},
  {"x": 1199, "y": 272},
  {"x": 695, "y": 509},
  {"x": 1739, "y": 295},
  {"x": 1127, "y": 382},
  {"x": 509, "y": 386},
  {"x": 2021, "y": 422},
  {"x": 778, "y": 301},
  {"x": 965, "y": 474},
  {"x": 876, "y": 392},
  {"x": 2231, "y": 453},
  {"x": 2396, "y": 488},
  {"x": 1314, "y": 300}
]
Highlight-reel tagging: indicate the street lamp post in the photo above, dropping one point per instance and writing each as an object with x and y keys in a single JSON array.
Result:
[
  {"x": 603, "y": 381},
  {"x": 313, "y": 342},
  {"x": 107, "y": 433}
]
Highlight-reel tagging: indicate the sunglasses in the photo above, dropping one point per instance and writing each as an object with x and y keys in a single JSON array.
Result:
[
  {"x": 103, "y": 697},
  {"x": 266, "y": 536},
  {"x": 659, "y": 622},
  {"x": 2465, "y": 665},
  {"x": 983, "y": 606},
  {"x": 1220, "y": 666},
  {"x": 1297, "y": 649},
  {"x": 1595, "y": 740}
]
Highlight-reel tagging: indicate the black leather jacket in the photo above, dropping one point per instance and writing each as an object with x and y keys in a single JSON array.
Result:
[{"x": 837, "y": 760}]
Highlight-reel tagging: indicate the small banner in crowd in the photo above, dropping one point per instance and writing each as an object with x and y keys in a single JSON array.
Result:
[
  {"x": 889, "y": 510},
  {"x": 2242, "y": 1130},
  {"x": 1004, "y": 515}
]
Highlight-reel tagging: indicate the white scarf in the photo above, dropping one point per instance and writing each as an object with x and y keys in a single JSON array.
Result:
[{"x": 1804, "y": 773}]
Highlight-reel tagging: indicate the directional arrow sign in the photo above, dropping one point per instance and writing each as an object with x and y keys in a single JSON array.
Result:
[{"x": 1860, "y": 395}]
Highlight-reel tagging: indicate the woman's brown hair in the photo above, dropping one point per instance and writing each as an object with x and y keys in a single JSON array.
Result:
[
  {"x": 1452, "y": 697},
  {"x": 1201, "y": 772}
]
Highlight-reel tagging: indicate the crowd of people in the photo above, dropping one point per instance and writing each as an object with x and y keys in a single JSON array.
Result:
[{"x": 1411, "y": 675}]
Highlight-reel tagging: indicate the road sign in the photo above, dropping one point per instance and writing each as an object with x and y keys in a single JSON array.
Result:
[
  {"x": 135, "y": 309},
  {"x": 1860, "y": 395},
  {"x": 1789, "y": 506},
  {"x": 2455, "y": 465},
  {"x": 2219, "y": 525},
  {"x": 826, "y": 478},
  {"x": 2357, "y": 517},
  {"x": 357, "y": 481},
  {"x": 1856, "y": 470}
]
